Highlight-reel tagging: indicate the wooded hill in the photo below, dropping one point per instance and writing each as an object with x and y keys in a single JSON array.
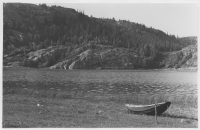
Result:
[{"x": 29, "y": 27}]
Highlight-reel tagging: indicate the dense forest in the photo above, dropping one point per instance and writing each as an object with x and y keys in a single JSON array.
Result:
[{"x": 29, "y": 27}]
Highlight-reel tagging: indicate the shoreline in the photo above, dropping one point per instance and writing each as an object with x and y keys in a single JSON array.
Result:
[{"x": 192, "y": 69}]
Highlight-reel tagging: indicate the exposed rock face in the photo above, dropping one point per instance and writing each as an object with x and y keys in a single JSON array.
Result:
[
  {"x": 14, "y": 64},
  {"x": 105, "y": 57},
  {"x": 44, "y": 57},
  {"x": 62, "y": 65},
  {"x": 187, "y": 57},
  {"x": 99, "y": 56},
  {"x": 190, "y": 51},
  {"x": 121, "y": 58},
  {"x": 13, "y": 60},
  {"x": 86, "y": 59}
]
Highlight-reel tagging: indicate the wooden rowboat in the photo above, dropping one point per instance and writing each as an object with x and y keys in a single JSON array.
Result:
[{"x": 148, "y": 109}]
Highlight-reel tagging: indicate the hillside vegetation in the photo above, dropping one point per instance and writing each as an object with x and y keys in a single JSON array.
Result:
[{"x": 58, "y": 37}]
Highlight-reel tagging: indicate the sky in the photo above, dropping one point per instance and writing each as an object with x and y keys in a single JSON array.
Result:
[{"x": 179, "y": 19}]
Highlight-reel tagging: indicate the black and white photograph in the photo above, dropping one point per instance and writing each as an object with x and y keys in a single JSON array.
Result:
[{"x": 99, "y": 64}]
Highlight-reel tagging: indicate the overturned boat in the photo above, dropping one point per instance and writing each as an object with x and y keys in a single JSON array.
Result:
[{"x": 148, "y": 109}]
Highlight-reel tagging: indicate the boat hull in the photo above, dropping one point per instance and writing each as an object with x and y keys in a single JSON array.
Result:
[{"x": 148, "y": 109}]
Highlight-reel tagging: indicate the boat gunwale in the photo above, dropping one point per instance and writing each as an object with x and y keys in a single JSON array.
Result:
[{"x": 140, "y": 106}]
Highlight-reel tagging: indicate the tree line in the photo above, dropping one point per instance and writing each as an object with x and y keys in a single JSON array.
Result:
[{"x": 29, "y": 27}]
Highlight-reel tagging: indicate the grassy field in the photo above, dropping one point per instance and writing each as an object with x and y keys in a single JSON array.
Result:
[{"x": 22, "y": 109}]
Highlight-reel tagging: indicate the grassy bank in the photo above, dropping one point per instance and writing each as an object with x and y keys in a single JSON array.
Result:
[{"x": 37, "y": 111}]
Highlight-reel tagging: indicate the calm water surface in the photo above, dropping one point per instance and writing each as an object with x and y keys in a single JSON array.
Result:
[
  {"x": 120, "y": 82},
  {"x": 103, "y": 81}
]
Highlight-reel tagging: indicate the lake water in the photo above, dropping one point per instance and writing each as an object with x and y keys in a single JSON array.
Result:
[{"x": 103, "y": 82}]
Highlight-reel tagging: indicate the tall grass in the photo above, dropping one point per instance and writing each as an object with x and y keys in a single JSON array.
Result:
[
  {"x": 184, "y": 100},
  {"x": 182, "y": 106}
]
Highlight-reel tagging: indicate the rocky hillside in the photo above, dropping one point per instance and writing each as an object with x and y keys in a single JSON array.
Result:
[
  {"x": 58, "y": 37},
  {"x": 91, "y": 56},
  {"x": 185, "y": 58}
]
